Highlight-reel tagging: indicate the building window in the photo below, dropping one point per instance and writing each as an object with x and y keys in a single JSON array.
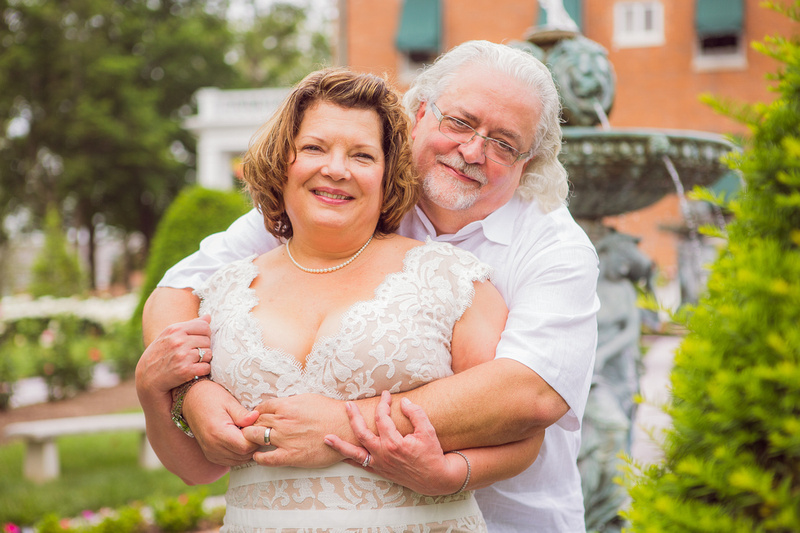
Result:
[
  {"x": 638, "y": 24},
  {"x": 719, "y": 29}
]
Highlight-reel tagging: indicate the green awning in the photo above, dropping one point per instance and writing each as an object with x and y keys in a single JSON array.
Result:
[
  {"x": 729, "y": 185},
  {"x": 573, "y": 8},
  {"x": 718, "y": 17},
  {"x": 420, "y": 26}
]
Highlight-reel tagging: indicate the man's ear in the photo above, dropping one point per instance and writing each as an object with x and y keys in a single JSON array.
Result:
[{"x": 420, "y": 113}]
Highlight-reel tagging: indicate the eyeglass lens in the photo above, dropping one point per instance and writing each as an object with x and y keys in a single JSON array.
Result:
[{"x": 461, "y": 132}]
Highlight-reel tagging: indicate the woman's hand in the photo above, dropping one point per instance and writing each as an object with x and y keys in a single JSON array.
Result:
[
  {"x": 415, "y": 460},
  {"x": 216, "y": 419},
  {"x": 298, "y": 425}
]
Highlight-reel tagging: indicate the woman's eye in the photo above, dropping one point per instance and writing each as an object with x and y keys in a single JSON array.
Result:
[
  {"x": 368, "y": 157},
  {"x": 311, "y": 148}
]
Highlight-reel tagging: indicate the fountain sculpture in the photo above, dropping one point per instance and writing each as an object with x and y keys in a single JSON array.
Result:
[{"x": 613, "y": 171}]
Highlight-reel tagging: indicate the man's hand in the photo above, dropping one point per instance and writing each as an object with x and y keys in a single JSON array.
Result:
[
  {"x": 415, "y": 460},
  {"x": 174, "y": 356},
  {"x": 299, "y": 425},
  {"x": 216, "y": 419}
]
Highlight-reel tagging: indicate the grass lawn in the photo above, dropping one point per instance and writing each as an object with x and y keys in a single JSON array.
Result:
[{"x": 97, "y": 471}]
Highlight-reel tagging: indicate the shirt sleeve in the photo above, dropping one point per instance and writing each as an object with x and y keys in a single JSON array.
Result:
[
  {"x": 245, "y": 237},
  {"x": 552, "y": 322}
]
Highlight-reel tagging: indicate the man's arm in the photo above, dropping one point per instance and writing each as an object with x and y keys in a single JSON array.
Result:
[
  {"x": 551, "y": 329},
  {"x": 495, "y": 403}
]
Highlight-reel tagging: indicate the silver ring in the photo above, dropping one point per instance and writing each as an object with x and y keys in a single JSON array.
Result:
[
  {"x": 202, "y": 352},
  {"x": 365, "y": 464},
  {"x": 266, "y": 436}
]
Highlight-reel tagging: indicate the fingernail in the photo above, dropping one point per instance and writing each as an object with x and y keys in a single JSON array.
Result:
[{"x": 406, "y": 401}]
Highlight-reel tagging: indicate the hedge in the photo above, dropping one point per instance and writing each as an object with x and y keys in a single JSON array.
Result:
[{"x": 732, "y": 458}]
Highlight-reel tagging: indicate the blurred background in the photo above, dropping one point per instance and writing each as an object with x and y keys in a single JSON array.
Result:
[{"x": 123, "y": 122}]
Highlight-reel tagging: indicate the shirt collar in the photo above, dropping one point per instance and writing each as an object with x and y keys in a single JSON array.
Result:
[{"x": 496, "y": 227}]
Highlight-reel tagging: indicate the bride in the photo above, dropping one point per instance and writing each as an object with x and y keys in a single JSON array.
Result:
[{"x": 348, "y": 309}]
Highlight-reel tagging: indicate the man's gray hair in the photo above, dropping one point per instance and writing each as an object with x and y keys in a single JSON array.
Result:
[{"x": 544, "y": 177}]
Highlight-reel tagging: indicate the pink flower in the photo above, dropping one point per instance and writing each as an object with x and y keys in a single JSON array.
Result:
[
  {"x": 11, "y": 528},
  {"x": 47, "y": 338},
  {"x": 95, "y": 355}
]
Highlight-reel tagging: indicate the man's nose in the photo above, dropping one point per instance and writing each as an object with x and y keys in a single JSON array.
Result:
[{"x": 472, "y": 151}]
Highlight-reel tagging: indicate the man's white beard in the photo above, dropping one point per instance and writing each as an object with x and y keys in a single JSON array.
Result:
[{"x": 447, "y": 192}]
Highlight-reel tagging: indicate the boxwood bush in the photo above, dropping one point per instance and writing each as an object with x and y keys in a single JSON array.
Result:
[
  {"x": 195, "y": 214},
  {"x": 732, "y": 457}
]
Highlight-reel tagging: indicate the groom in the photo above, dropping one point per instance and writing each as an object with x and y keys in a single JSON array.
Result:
[{"x": 510, "y": 212}]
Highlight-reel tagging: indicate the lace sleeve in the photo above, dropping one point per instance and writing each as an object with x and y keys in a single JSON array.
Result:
[
  {"x": 464, "y": 269},
  {"x": 213, "y": 291}
]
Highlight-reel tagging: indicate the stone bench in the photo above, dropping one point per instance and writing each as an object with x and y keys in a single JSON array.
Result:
[{"x": 41, "y": 454}]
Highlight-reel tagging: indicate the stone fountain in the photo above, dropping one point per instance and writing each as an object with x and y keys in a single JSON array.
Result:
[{"x": 613, "y": 171}]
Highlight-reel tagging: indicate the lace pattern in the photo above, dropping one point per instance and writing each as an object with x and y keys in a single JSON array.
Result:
[{"x": 396, "y": 341}]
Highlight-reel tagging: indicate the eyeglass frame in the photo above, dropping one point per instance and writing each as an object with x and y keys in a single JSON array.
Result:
[{"x": 437, "y": 113}]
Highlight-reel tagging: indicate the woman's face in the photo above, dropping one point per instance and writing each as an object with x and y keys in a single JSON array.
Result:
[{"x": 334, "y": 183}]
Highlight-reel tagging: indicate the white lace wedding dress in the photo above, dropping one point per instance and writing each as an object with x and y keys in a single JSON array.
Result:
[{"x": 396, "y": 341}]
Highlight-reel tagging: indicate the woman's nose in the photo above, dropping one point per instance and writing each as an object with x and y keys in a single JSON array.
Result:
[{"x": 336, "y": 168}]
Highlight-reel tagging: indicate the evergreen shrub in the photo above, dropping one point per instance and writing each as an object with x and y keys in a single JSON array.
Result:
[
  {"x": 732, "y": 457},
  {"x": 195, "y": 214},
  {"x": 56, "y": 270}
]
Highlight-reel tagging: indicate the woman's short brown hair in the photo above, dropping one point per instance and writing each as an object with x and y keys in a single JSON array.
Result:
[{"x": 272, "y": 150}]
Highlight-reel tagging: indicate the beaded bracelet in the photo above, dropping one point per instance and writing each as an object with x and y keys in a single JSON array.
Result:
[
  {"x": 469, "y": 472},
  {"x": 178, "y": 395}
]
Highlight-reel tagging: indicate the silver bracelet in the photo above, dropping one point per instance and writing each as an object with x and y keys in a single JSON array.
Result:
[{"x": 469, "y": 472}]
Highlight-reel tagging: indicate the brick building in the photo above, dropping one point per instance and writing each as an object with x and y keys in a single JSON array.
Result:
[{"x": 665, "y": 53}]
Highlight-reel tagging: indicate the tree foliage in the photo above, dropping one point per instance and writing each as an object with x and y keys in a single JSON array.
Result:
[
  {"x": 279, "y": 47},
  {"x": 732, "y": 459},
  {"x": 91, "y": 97}
]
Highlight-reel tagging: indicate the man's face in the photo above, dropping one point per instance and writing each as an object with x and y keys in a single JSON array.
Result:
[{"x": 460, "y": 184}]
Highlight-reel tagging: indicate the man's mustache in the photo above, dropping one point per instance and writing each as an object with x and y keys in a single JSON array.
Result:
[{"x": 459, "y": 165}]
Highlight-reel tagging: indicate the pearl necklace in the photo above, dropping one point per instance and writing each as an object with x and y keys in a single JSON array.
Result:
[{"x": 329, "y": 269}]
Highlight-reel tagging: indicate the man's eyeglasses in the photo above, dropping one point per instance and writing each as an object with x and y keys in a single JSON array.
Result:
[{"x": 459, "y": 131}]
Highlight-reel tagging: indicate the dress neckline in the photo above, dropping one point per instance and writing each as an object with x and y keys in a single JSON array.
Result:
[{"x": 378, "y": 295}]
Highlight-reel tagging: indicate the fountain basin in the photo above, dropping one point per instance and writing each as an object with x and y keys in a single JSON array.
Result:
[{"x": 622, "y": 170}]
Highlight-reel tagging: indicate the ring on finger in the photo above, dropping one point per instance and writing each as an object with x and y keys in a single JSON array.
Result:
[
  {"x": 365, "y": 464},
  {"x": 267, "y": 431},
  {"x": 202, "y": 353}
]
